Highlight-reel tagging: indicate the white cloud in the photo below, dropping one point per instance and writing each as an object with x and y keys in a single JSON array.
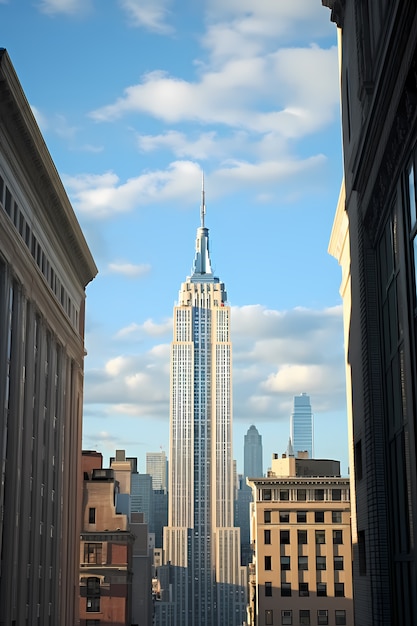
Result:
[
  {"x": 149, "y": 14},
  {"x": 129, "y": 270},
  {"x": 276, "y": 355},
  {"x": 293, "y": 104},
  {"x": 67, "y": 7}
]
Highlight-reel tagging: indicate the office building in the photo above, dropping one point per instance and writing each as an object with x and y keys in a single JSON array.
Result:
[
  {"x": 302, "y": 565},
  {"x": 157, "y": 467},
  {"x": 45, "y": 266},
  {"x": 201, "y": 543},
  {"x": 301, "y": 425},
  {"x": 252, "y": 454},
  {"x": 374, "y": 240}
]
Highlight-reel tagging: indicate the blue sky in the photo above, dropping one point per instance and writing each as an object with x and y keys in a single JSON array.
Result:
[{"x": 135, "y": 98}]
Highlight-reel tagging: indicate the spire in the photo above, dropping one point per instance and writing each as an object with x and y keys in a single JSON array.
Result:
[
  {"x": 202, "y": 271},
  {"x": 203, "y": 202}
]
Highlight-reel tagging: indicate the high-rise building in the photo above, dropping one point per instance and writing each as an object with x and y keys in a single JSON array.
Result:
[
  {"x": 201, "y": 543},
  {"x": 374, "y": 240},
  {"x": 302, "y": 425},
  {"x": 157, "y": 467},
  {"x": 45, "y": 266},
  {"x": 252, "y": 454}
]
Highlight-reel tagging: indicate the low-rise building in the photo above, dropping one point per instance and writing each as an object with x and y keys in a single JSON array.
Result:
[{"x": 301, "y": 572}]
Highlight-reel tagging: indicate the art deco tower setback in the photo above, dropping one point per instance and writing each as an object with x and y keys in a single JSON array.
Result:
[{"x": 201, "y": 544}]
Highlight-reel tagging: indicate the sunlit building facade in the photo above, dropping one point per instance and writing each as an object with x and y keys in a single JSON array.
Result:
[{"x": 201, "y": 543}]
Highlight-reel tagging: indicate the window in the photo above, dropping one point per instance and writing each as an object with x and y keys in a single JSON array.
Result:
[
  {"x": 303, "y": 590},
  {"x": 303, "y": 562},
  {"x": 91, "y": 516},
  {"x": 320, "y": 536},
  {"x": 284, "y": 536},
  {"x": 319, "y": 494},
  {"x": 285, "y": 563},
  {"x": 267, "y": 517},
  {"x": 268, "y": 563},
  {"x": 284, "y": 494},
  {"x": 93, "y": 605},
  {"x": 301, "y": 517},
  {"x": 286, "y": 589},
  {"x": 93, "y": 553},
  {"x": 268, "y": 589},
  {"x": 301, "y": 495},
  {"x": 322, "y": 617},
  {"x": 269, "y": 617},
  {"x": 320, "y": 562},
  {"x": 266, "y": 494},
  {"x": 93, "y": 586},
  {"x": 267, "y": 536},
  {"x": 322, "y": 590},
  {"x": 362, "y": 553},
  {"x": 319, "y": 517},
  {"x": 286, "y": 618},
  {"x": 301, "y": 537},
  {"x": 339, "y": 590},
  {"x": 358, "y": 460},
  {"x": 304, "y": 617},
  {"x": 337, "y": 537},
  {"x": 336, "y": 494},
  {"x": 337, "y": 517},
  {"x": 284, "y": 518},
  {"x": 338, "y": 562},
  {"x": 340, "y": 617}
]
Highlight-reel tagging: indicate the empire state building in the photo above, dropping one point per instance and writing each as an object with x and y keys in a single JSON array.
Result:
[{"x": 201, "y": 544}]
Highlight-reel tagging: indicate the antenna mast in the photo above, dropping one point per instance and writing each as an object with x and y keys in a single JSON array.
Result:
[{"x": 203, "y": 203}]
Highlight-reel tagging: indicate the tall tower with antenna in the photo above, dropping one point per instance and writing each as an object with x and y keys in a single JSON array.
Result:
[{"x": 201, "y": 544}]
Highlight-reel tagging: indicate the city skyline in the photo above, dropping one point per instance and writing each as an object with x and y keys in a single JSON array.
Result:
[{"x": 249, "y": 94}]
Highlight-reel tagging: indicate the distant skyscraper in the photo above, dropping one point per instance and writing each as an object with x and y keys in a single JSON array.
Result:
[
  {"x": 201, "y": 543},
  {"x": 252, "y": 453},
  {"x": 302, "y": 425},
  {"x": 156, "y": 466}
]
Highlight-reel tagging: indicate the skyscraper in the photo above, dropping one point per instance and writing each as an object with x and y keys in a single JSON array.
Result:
[
  {"x": 302, "y": 425},
  {"x": 156, "y": 466},
  {"x": 252, "y": 454},
  {"x": 201, "y": 543}
]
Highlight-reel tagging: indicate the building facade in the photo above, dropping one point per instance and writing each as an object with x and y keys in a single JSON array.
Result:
[
  {"x": 301, "y": 425},
  {"x": 45, "y": 265},
  {"x": 106, "y": 550},
  {"x": 302, "y": 566},
  {"x": 374, "y": 240},
  {"x": 157, "y": 467},
  {"x": 201, "y": 543}
]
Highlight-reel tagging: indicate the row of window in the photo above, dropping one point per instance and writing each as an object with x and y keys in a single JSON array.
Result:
[
  {"x": 321, "y": 563},
  {"x": 285, "y": 562},
  {"x": 39, "y": 255},
  {"x": 304, "y": 617},
  {"x": 302, "y": 536},
  {"x": 302, "y": 495},
  {"x": 285, "y": 517},
  {"x": 304, "y": 590}
]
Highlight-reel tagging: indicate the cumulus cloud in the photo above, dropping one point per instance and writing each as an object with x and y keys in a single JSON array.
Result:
[
  {"x": 232, "y": 94},
  {"x": 103, "y": 196},
  {"x": 276, "y": 355}
]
